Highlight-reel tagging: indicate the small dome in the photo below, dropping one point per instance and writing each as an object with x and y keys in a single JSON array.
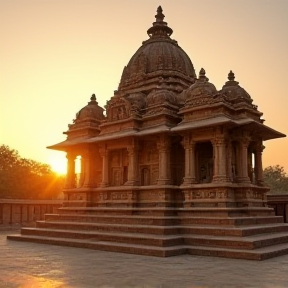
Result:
[
  {"x": 161, "y": 96},
  {"x": 234, "y": 91},
  {"x": 200, "y": 88},
  {"x": 137, "y": 100},
  {"x": 92, "y": 110}
]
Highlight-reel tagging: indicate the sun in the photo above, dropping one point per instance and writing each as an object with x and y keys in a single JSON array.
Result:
[{"x": 58, "y": 163}]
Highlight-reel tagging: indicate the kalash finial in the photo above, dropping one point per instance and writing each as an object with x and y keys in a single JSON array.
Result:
[
  {"x": 202, "y": 75},
  {"x": 93, "y": 99},
  {"x": 159, "y": 16},
  {"x": 231, "y": 76},
  {"x": 159, "y": 28}
]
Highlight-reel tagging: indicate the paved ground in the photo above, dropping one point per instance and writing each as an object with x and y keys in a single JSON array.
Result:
[{"x": 29, "y": 265}]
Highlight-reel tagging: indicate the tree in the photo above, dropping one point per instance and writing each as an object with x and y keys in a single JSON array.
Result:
[
  {"x": 276, "y": 178},
  {"x": 23, "y": 178}
]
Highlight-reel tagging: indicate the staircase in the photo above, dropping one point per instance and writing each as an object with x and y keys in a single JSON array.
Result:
[{"x": 164, "y": 232}]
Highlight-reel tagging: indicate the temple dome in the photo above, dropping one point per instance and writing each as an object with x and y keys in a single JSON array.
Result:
[
  {"x": 161, "y": 96},
  {"x": 202, "y": 87},
  {"x": 92, "y": 110},
  {"x": 234, "y": 91},
  {"x": 158, "y": 56}
]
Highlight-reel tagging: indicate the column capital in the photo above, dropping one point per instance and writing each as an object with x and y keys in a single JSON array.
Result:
[
  {"x": 71, "y": 155},
  {"x": 103, "y": 151},
  {"x": 219, "y": 141},
  {"x": 259, "y": 147},
  {"x": 163, "y": 143},
  {"x": 187, "y": 142}
]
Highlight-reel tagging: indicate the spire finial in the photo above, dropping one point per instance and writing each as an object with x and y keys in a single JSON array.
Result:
[
  {"x": 202, "y": 75},
  {"x": 93, "y": 99},
  {"x": 159, "y": 28},
  {"x": 202, "y": 72},
  {"x": 159, "y": 16},
  {"x": 231, "y": 76}
]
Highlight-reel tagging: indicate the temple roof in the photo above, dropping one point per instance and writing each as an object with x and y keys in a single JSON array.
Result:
[{"x": 158, "y": 56}]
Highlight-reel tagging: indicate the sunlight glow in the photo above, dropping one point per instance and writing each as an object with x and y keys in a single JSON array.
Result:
[{"x": 58, "y": 163}]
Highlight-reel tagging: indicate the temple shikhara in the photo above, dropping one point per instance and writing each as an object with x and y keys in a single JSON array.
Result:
[{"x": 172, "y": 165}]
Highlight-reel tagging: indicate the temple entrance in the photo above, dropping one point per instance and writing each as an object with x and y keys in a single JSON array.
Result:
[
  {"x": 177, "y": 164},
  {"x": 118, "y": 167},
  {"x": 204, "y": 162}
]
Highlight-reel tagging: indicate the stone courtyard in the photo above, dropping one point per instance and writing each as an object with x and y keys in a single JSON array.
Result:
[{"x": 34, "y": 266}]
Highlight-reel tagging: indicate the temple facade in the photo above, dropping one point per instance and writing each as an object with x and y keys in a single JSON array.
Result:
[
  {"x": 173, "y": 166},
  {"x": 169, "y": 138}
]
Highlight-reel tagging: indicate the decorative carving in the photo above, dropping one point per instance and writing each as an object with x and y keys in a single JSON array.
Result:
[{"x": 118, "y": 108}]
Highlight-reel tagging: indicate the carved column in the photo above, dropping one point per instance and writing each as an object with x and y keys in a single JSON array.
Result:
[
  {"x": 189, "y": 147},
  {"x": 164, "y": 147},
  {"x": 229, "y": 161},
  {"x": 133, "y": 177},
  {"x": 258, "y": 164},
  {"x": 243, "y": 160},
  {"x": 105, "y": 168},
  {"x": 83, "y": 171},
  {"x": 220, "y": 160},
  {"x": 70, "y": 177}
]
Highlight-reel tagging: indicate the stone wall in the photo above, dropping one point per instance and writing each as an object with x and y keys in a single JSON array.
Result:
[
  {"x": 280, "y": 204},
  {"x": 26, "y": 212}
]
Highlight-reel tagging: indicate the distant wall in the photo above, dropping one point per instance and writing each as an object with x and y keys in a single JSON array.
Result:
[
  {"x": 26, "y": 212},
  {"x": 280, "y": 204}
]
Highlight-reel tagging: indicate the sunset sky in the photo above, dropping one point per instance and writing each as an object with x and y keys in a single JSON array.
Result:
[{"x": 54, "y": 54}]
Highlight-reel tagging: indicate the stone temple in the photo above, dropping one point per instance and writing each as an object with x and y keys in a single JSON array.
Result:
[{"x": 174, "y": 165}]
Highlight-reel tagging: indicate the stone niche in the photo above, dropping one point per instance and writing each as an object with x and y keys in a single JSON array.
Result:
[{"x": 118, "y": 167}]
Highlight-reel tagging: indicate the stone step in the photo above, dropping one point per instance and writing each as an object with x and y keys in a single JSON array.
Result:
[
  {"x": 241, "y": 243},
  {"x": 164, "y": 220},
  {"x": 226, "y": 211},
  {"x": 133, "y": 238},
  {"x": 233, "y": 231},
  {"x": 119, "y": 210},
  {"x": 166, "y": 230},
  {"x": 230, "y": 221},
  {"x": 114, "y": 219},
  {"x": 257, "y": 254},
  {"x": 104, "y": 245},
  {"x": 105, "y": 227}
]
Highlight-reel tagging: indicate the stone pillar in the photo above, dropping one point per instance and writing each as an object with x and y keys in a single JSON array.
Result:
[
  {"x": 164, "y": 147},
  {"x": 133, "y": 177},
  {"x": 189, "y": 147},
  {"x": 70, "y": 177},
  {"x": 258, "y": 164},
  {"x": 83, "y": 171},
  {"x": 243, "y": 161},
  {"x": 220, "y": 160},
  {"x": 229, "y": 161},
  {"x": 105, "y": 168}
]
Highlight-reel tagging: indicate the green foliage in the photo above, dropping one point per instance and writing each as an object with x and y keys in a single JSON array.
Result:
[
  {"x": 276, "y": 178},
  {"x": 22, "y": 178}
]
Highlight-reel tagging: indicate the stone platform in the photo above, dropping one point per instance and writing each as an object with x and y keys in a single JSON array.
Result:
[{"x": 224, "y": 232}]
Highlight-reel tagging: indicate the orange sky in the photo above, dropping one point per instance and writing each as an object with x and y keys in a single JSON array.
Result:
[{"x": 55, "y": 53}]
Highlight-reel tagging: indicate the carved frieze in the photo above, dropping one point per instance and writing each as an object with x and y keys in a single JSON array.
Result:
[{"x": 209, "y": 194}]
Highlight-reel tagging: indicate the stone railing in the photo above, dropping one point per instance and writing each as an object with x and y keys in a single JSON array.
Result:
[{"x": 26, "y": 212}]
